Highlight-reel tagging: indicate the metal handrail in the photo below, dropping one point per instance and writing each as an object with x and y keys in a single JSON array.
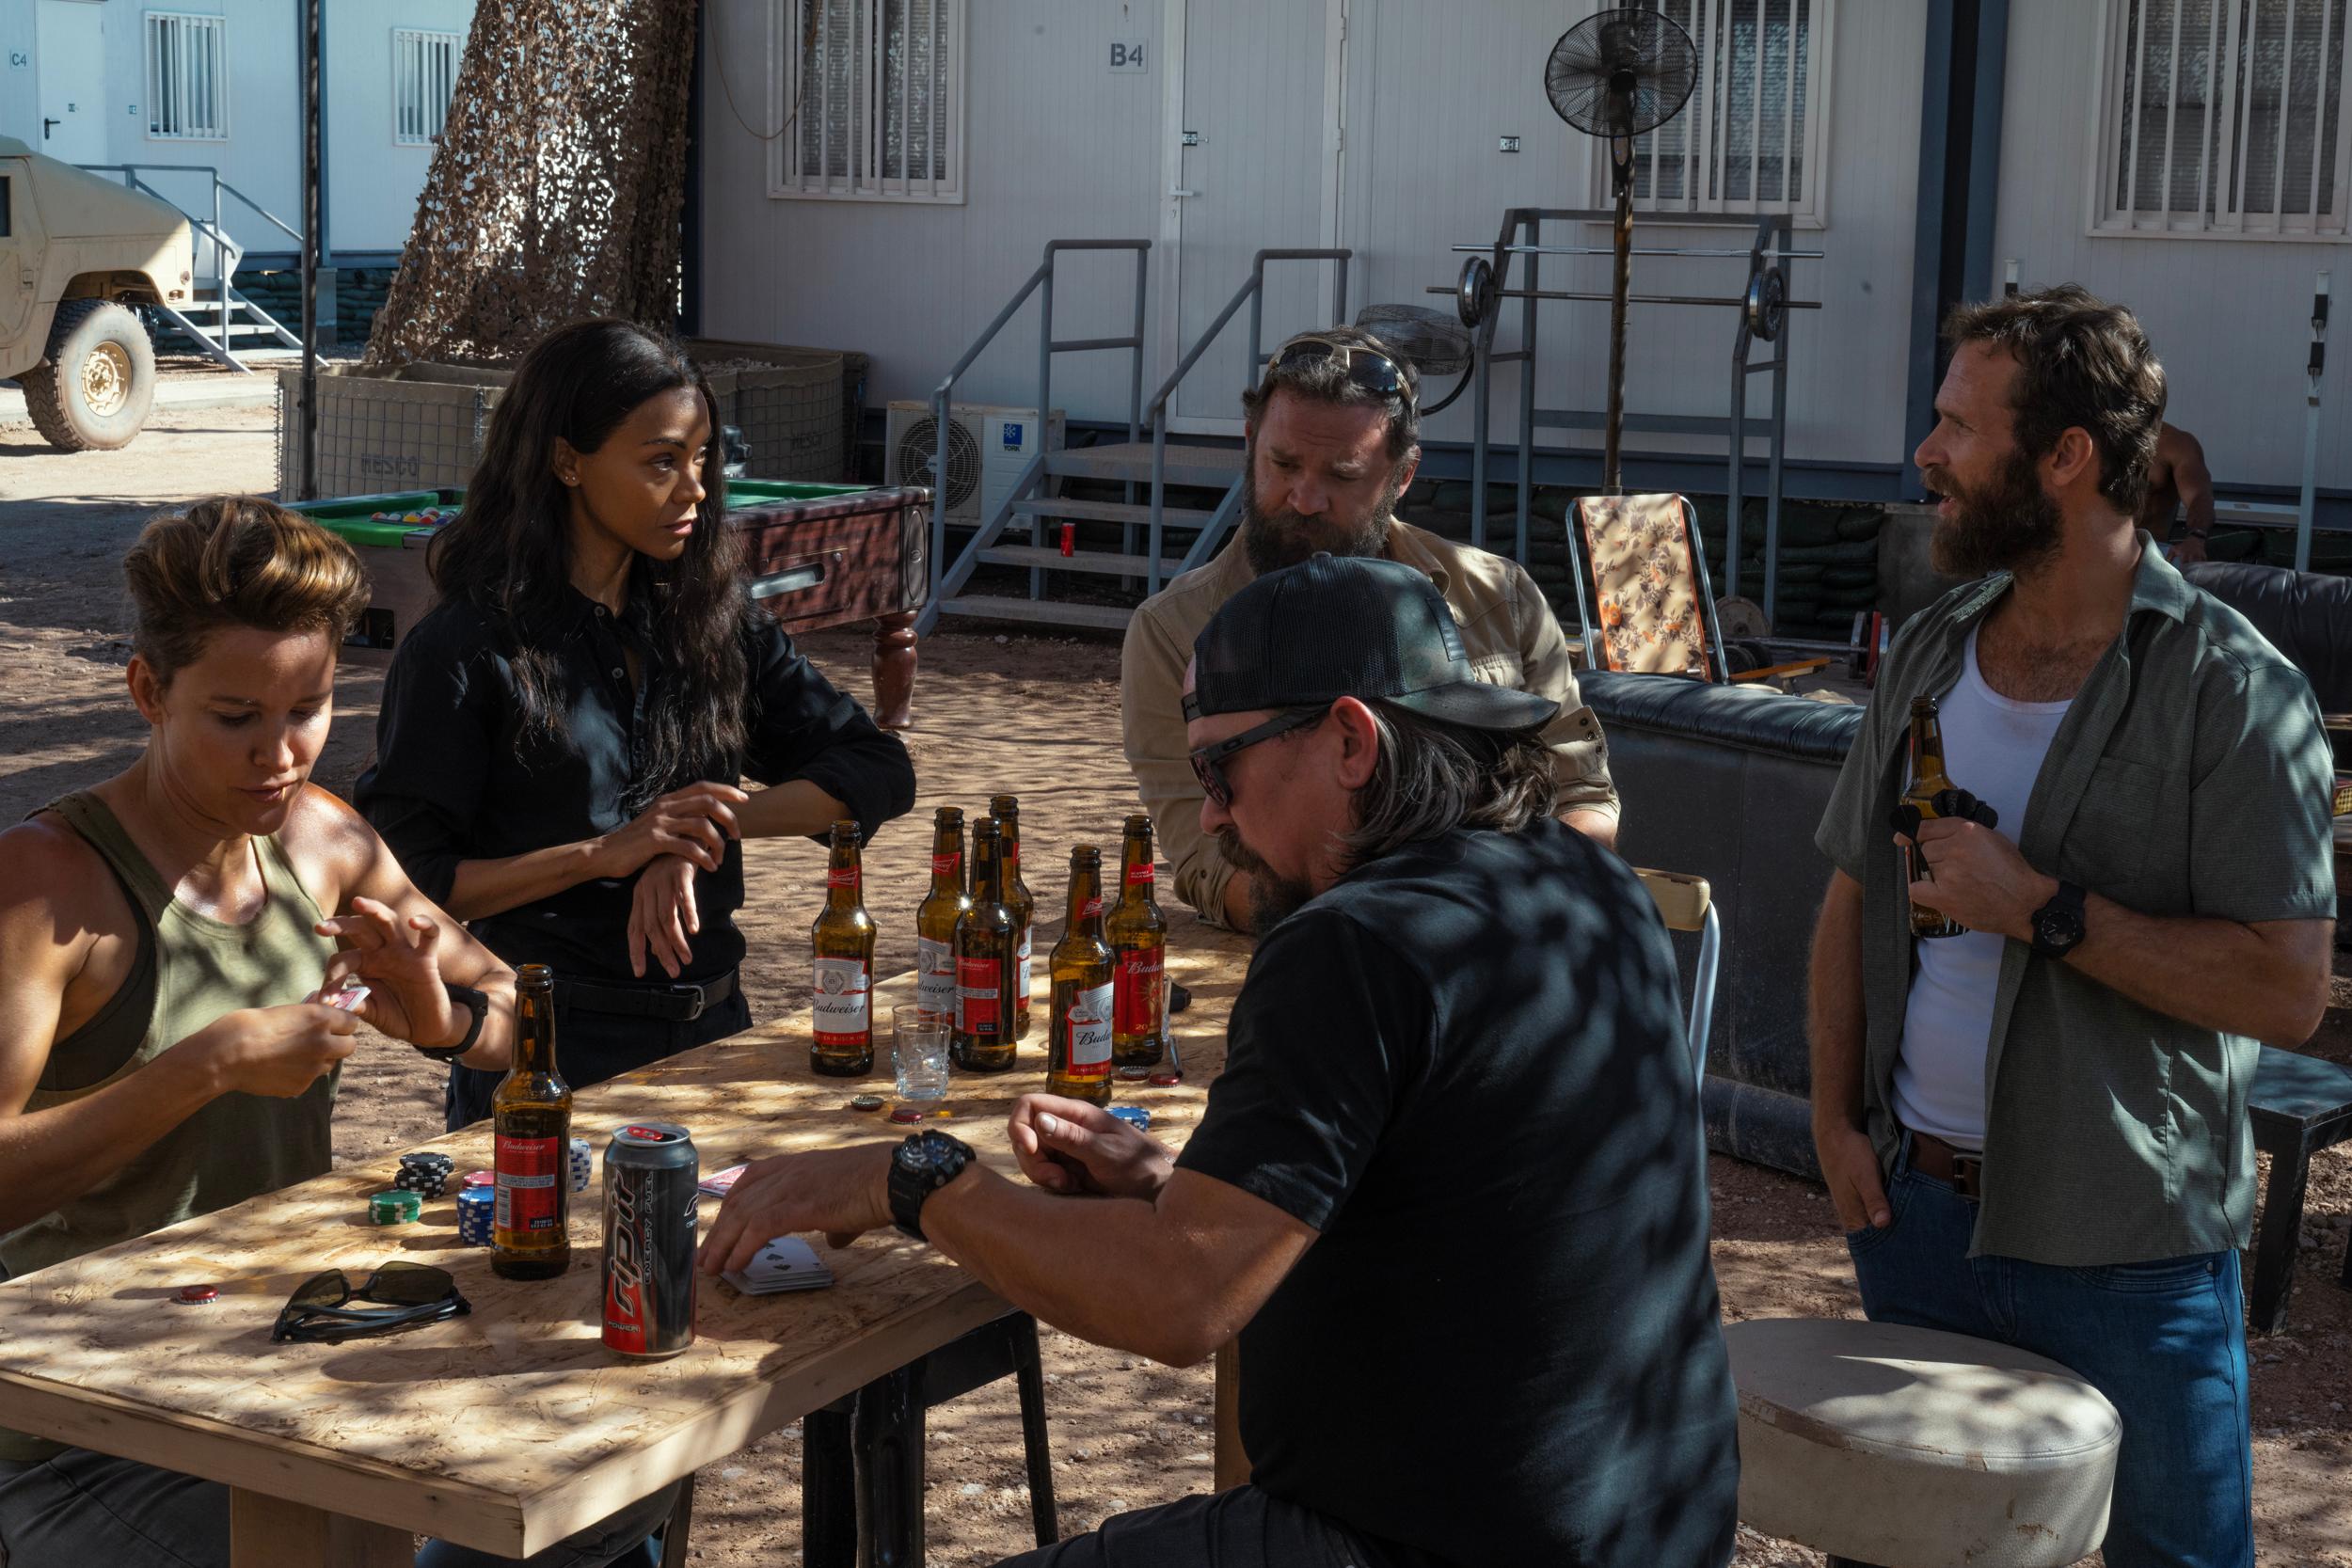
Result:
[
  {"x": 1254, "y": 292},
  {"x": 1046, "y": 348},
  {"x": 225, "y": 248}
]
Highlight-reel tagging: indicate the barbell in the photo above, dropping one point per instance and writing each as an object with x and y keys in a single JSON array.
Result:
[{"x": 1766, "y": 301}]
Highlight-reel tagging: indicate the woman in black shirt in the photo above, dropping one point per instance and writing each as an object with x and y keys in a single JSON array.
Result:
[{"x": 561, "y": 737}]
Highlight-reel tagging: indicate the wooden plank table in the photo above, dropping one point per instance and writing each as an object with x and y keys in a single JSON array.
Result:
[{"x": 513, "y": 1427}]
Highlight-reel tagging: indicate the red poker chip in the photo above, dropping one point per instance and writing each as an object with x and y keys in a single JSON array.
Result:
[
  {"x": 194, "y": 1295},
  {"x": 481, "y": 1178}
]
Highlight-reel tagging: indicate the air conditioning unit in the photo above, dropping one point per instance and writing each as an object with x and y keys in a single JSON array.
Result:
[{"x": 988, "y": 447}]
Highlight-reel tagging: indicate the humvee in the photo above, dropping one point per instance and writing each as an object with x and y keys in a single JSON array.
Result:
[{"x": 77, "y": 252}]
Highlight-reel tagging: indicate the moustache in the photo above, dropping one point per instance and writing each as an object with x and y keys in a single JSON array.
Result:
[{"x": 1237, "y": 854}]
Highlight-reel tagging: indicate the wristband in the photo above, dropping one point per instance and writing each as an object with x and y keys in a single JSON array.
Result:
[{"x": 473, "y": 1002}]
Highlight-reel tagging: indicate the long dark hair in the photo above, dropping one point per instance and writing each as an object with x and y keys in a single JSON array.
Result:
[{"x": 509, "y": 552}]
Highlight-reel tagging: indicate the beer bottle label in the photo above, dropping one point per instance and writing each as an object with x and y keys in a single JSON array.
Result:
[
  {"x": 949, "y": 864},
  {"x": 840, "y": 997},
  {"x": 1090, "y": 1034},
  {"x": 1093, "y": 908},
  {"x": 841, "y": 875},
  {"x": 976, "y": 981},
  {"x": 936, "y": 977},
  {"x": 1139, "y": 876},
  {"x": 1023, "y": 991},
  {"x": 528, "y": 1169},
  {"x": 1136, "y": 984}
]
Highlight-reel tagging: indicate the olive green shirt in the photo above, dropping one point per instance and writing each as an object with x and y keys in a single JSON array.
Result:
[
  {"x": 2190, "y": 777},
  {"x": 1508, "y": 630}
]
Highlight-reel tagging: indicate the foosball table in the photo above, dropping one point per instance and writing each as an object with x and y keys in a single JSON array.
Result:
[{"x": 814, "y": 556}]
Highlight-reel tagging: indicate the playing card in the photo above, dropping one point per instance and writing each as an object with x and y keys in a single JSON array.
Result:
[
  {"x": 347, "y": 997},
  {"x": 717, "y": 1183},
  {"x": 787, "y": 1263}
]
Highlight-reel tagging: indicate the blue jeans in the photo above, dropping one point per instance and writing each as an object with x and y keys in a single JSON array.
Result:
[{"x": 2163, "y": 1341}]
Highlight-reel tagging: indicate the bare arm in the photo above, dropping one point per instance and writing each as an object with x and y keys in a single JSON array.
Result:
[
  {"x": 1838, "y": 1029},
  {"x": 1172, "y": 1279},
  {"x": 693, "y": 823},
  {"x": 2194, "y": 481}
]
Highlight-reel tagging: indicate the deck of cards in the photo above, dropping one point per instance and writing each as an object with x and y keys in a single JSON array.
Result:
[
  {"x": 717, "y": 1183},
  {"x": 346, "y": 996},
  {"x": 787, "y": 1263}
]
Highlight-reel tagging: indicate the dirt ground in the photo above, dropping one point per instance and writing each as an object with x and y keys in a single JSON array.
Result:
[{"x": 1038, "y": 715}]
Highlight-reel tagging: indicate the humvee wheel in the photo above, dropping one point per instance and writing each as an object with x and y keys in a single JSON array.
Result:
[{"x": 99, "y": 382}]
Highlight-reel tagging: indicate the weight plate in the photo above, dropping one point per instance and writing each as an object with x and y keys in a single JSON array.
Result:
[
  {"x": 1474, "y": 296},
  {"x": 1767, "y": 302}
]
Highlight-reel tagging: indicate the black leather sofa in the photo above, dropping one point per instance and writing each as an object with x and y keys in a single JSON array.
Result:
[
  {"x": 1729, "y": 783},
  {"x": 2306, "y": 615}
]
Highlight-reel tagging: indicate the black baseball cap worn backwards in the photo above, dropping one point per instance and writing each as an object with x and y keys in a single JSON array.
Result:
[{"x": 1358, "y": 626}]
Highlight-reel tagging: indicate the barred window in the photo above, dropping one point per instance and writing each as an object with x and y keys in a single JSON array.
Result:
[
  {"x": 870, "y": 100},
  {"x": 1752, "y": 138},
  {"x": 187, "y": 77},
  {"x": 2224, "y": 116},
  {"x": 424, "y": 69}
]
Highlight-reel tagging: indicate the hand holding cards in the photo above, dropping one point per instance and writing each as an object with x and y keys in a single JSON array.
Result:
[
  {"x": 346, "y": 996},
  {"x": 787, "y": 1263}
]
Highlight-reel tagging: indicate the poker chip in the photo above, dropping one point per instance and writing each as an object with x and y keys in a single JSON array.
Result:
[
  {"x": 194, "y": 1295},
  {"x": 481, "y": 1178},
  {"x": 906, "y": 1116},
  {"x": 424, "y": 1181},
  {"x": 584, "y": 1163},
  {"x": 867, "y": 1102},
  {"x": 398, "y": 1207},
  {"x": 431, "y": 1159},
  {"x": 1137, "y": 1116},
  {"x": 476, "y": 1208}
]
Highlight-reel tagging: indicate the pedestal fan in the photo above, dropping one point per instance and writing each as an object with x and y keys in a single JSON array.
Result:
[{"x": 1620, "y": 74}]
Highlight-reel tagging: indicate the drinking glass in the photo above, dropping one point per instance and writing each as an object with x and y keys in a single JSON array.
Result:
[{"x": 918, "y": 1053}]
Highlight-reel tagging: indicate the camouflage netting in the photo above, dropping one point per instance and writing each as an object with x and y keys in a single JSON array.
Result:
[{"x": 556, "y": 189}]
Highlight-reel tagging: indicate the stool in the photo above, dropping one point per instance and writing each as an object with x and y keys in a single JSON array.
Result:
[
  {"x": 862, "y": 1456},
  {"x": 2300, "y": 1105},
  {"x": 1909, "y": 1447}
]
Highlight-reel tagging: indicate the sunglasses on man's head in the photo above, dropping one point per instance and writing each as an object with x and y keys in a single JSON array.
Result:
[
  {"x": 1368, "y": 368},
  {"x": 1208, "y": 762},
  {"x": 404, "y": 1294}
]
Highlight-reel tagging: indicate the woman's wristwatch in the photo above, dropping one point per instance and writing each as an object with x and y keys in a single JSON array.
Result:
[{"x": 477, "y": 1003}]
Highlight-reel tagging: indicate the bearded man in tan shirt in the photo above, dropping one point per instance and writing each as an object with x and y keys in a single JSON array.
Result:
[{"x": 1334, "y": 441}]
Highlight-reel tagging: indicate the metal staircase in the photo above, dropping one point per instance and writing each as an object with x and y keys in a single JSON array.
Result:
[
  {"x": 1147, "y": 470},
  {"x": 218, "y": 316}
]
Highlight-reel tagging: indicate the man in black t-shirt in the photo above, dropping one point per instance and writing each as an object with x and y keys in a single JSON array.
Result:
[{"x": 1449, "y": 1190}]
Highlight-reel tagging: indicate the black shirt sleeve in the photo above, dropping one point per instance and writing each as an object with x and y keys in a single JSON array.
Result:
[
  {"x": 801, "y": 726},
  {"x": 1330, "y": 1030},
  {"x": 433, "y": 738}
]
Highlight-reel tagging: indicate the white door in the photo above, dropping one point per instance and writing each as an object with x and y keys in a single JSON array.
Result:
[
  {"x": 72, "y": 68},
  {"x": 1256, "y": 138}
]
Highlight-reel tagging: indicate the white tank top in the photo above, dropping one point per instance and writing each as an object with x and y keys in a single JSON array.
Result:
[{"x": 1992, "y": 748}]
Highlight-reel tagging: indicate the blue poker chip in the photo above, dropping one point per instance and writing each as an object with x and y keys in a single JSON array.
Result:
[
  {"x": 1137, "y": 1116},
  {"x": 476, "y": 1208}
]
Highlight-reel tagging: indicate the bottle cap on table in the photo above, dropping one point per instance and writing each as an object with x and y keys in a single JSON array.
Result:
[{"x": 194, "y": 1295}]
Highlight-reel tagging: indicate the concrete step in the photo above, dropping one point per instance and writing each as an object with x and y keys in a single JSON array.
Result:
[
  {"x": 1051, "y": 612},
  {"x": 1104, "y": 563},
  {"x": 1112, "y": 511}
]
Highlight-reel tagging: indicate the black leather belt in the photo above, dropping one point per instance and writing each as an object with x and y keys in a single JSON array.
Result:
[
  {"x": 1961, "y": 1169},
  {"x": 674, "y": 1003}
]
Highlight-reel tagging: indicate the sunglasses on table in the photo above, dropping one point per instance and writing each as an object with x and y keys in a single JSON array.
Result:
[
  {"x": 403, "y": 1294},
  {"x": 1208, "y": 762},
  {"x": 1368, "y": 368}
]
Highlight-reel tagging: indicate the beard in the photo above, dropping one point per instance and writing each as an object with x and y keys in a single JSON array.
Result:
[
  {"x": 1275, "y": 540},
  {"x": 1272, "y": 898},
  {"x": 2007, "y": 525}
]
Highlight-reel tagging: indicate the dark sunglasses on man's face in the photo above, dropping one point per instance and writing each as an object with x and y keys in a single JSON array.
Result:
[
  {"x": 1208, "y": 762},
  {"x": 404, "y": 1293},
  {"x": 1368, "y": 368}
]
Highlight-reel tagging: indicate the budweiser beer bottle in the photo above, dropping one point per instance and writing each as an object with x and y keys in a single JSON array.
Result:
[
  {"x": 988, "y": 963},
  {"x": 1138, "y": 935},
  {"x": 531, "y": 1120},
  {"x": 1078, "y": 1048},
  {"x": 1006, "y": 809},
  {"x": 1928, "y": 780},
  {"x": 935, "y": 919},
  {"x": 843, "y": 940}
]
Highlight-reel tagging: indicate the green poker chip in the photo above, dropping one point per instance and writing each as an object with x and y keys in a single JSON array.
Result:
[{"x": 396, "y": 1207}]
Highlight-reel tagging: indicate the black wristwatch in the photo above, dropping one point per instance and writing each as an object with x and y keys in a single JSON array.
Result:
[
  {"x": 2058, "y": 924},
  {"x": 475, "y": 1002},
  {"x": 920, "y": 1166}
]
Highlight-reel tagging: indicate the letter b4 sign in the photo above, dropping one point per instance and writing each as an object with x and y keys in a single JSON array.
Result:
[{"x": 1127, "y": 54}]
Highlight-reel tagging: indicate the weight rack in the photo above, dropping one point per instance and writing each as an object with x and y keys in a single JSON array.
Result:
[{"x": 1763, "y": 306}]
